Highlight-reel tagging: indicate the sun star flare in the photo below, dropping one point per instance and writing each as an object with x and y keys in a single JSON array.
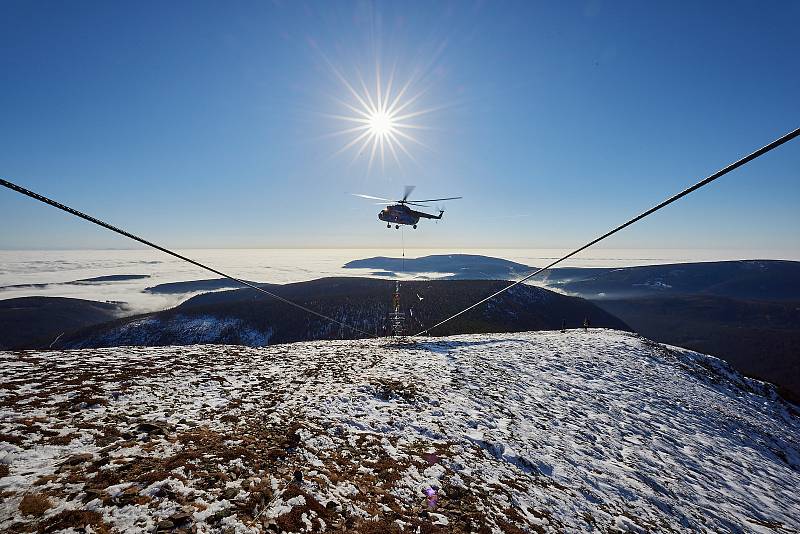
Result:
[{"x": 380, "y": 120}]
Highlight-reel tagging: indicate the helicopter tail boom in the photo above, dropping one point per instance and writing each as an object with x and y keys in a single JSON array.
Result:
[{"x": 423, "y": 215}]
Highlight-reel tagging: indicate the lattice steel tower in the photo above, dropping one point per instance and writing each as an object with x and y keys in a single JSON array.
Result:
[{"x": 397, "y": 318}]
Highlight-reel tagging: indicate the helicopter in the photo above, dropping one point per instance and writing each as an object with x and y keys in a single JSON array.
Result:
[{"x": 399, "y": 212}]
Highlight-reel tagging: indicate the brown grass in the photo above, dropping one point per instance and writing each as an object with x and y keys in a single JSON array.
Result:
[
  {"x": 260, "y": 494},
  {"x": 34, "y": 504},
  {"x": 387, "y": 469},
  {"x": 103, "y": 478},
  {"x": 151, "y": 477},
  {"x": 41, "y": 481},
  {"x": 381, "y": 526},
  {"x": 386, "y": 389},
  {"x": 110, "y": 435},
  {"x": 62, "y": 440},
  {"x": 292, "y": 521},
  {"x": 77, "y": 519},
  {"x": 10, "y": 438},
  {"x": 183, "y": 459}
]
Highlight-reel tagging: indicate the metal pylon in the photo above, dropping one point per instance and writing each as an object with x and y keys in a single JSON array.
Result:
[{"x": 397, "y": 319}]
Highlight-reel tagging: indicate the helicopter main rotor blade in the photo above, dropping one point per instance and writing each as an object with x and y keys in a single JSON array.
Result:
[
  {"x": 437, "y": 199},
  {"x": 408, "y": 190},
  {"x": 417, "y": 204},
  {"x": 370, "y": 197}
]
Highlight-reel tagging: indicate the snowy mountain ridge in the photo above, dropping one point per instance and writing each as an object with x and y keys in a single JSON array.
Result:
[
  {"x": 245, "y": 317},
  {"x": 596, "y": 430}
]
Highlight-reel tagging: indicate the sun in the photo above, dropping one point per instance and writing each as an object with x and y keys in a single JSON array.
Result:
[
  {"x": 381, "y": 118},
  {"x": 381, "y": 124}
]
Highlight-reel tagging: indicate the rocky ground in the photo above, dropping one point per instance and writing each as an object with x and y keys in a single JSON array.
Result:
[{"x": 529, "y": 432}]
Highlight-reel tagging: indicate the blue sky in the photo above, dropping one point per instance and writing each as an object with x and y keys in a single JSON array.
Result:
[{"x": 208, "y": 124}]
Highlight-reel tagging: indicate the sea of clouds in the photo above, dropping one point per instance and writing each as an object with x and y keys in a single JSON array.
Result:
[{"x": 56, "y": 268}]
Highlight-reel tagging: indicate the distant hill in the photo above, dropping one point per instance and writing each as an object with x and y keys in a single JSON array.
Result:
[
  {"x": 454, "y": 266},
  {"x": 746, "y": 279},
  {"x": 82, "y": 281},
  {"x": 190, "y": 286},
  {"x": 743, "y": 279},
  {"x": 28, "y": 322},
  {"x": 248, "y": 317}
]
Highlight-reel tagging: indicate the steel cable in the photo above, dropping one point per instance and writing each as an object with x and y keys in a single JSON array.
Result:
[
  {"x": 761, "y": 151},
  {"x": 42, "y": 198}
]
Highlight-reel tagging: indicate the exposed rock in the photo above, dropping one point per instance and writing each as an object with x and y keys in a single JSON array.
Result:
[
  {"x": 165, "y": 524},
  {"x": 152, "y": 427},
  {"x": 77, "y": 459},
  {"x": 180, "y": 517}
]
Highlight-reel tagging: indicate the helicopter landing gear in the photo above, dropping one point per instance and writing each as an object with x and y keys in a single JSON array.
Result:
[
  {"x": 415, "y": 227},
  {"x": 396, "y": 226},
  {"x": 388, "y": 225}
]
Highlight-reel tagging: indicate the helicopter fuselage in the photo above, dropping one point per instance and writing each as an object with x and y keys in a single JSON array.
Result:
[{"x": 401, "y": 214}]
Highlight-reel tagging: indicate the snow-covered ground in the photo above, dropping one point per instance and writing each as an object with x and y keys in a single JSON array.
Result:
[{"x": 527, "y": 432}]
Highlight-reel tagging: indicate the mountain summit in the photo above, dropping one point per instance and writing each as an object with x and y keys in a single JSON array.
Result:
[{"x": 521, "y": 432}]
